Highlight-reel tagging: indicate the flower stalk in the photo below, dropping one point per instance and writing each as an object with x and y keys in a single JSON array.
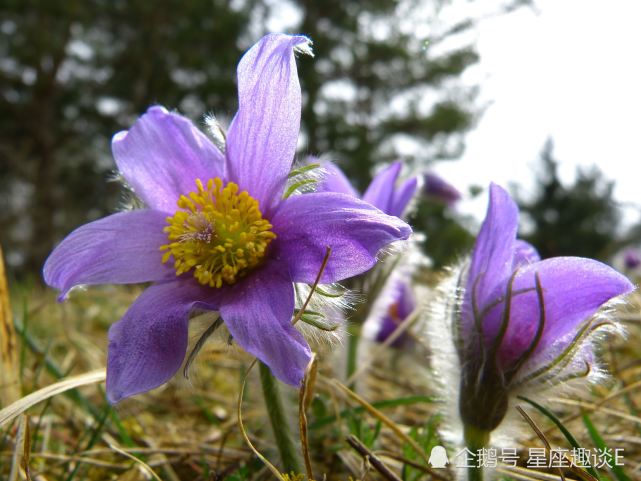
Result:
[
  {"x": 278, "y": 419},
  {"x": 475, "y": 440},
  {"x": 352, "y": 352}
]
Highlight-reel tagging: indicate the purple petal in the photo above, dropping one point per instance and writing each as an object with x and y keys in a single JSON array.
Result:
[
  {"x": 493, "y": 253},
  {"x": 524, "y": 253},
  {"x": 435, "y": 186},
  {"x": 574, "y": 288},
  {"x": 123, "y": 248},
  {"x": 262, "y": 138},
  {"x": 387, "y": 326},
  {"x": 307, "y": 224},
  {"x": 380, "y": 192},
  {"x": 402, "y": 197},
  {"x": 581, "y": 361},
  {"x": 162, "y": 155},
  {"x": 406, "y": 300},
  {"x": 258, "y": 313},
  {"x": 148, "y": 345},
  {"x": 335, "y": 181}
]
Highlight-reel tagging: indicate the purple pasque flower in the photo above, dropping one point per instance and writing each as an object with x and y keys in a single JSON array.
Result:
[
  {"x": 631, "y": 259},
  {"x": 438, "y": 188},
  {"x": 382, "y": 192},
  {"x": 394, "y": 305},
  {"x": 217, "y": 233},
  {"x": 524, "y": 321}
]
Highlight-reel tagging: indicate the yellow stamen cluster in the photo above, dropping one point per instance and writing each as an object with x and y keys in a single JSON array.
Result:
[{"x": 219, "y": 233}]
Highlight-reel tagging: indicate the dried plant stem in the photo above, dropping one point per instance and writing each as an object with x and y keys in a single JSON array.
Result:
[
  {"x": 383, "y": 419},
  {"x": 475, "y": 439},
  {"x": 280, "y": 424},
  {"x": 241, "y": 426},
  {"x": 540, "y": 434},
  {"x": 380, "y": 348},
  {"x": 305, "y": 397},
  {"x": 9, "y": 368},
  {"x": 370, "y": 457},
  {"x": 14, "y": 410}
]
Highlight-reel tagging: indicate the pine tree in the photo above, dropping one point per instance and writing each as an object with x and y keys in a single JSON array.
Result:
[
  {"x": 581, "y": 219},
  {"x": 74, "y": 72}
]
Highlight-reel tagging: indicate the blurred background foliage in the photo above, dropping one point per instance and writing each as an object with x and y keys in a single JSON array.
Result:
[
  {"x": 385, "y": 84},
  {"x": 577, "y": 220}
]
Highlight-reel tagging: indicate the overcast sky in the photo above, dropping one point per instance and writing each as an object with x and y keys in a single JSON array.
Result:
[
  {"x": 570, "y": 71},
  {"x": 567, "y": 70}
]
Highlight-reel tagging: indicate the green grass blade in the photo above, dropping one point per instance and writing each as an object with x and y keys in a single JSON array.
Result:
[
  {"x": 56, "y": 372},
  {"x": 568, "y": 435},
  {"x": 600, "y": 444}
]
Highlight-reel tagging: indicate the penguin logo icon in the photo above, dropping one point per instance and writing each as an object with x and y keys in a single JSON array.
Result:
[{"x": 438, "y": 457}]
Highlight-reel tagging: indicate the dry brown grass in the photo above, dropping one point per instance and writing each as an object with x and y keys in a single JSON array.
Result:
[{"x": 188, "y": 430}]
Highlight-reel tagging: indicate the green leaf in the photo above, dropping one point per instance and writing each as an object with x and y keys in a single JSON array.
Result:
[
  {"x": 294, "y": 187},
  {"x": 302, "y": 170},
  {"x": 325, "y": 293},
  {"x": 319, "y": 323}
]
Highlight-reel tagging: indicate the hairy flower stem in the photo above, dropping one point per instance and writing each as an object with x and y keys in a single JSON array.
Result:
[
  {"x": 354, "y": 329},
  {"x": 352, "y": 352},
  {"x": 475, "y": 439},
  {"x": 280, "y": 424}
]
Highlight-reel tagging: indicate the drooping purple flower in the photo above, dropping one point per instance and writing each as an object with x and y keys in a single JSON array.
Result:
[
  {"x": 436, "y": 187},
  {"x": 631, "y": 259},
  {"x": 524, "y": 321},
  {"x": 382, "y": 192},
  {"x": 217, "y": 233}
]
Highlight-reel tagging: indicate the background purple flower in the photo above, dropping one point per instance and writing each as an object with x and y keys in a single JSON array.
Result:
[
  {"x": 382, "y": 192},
  {"x": 394, "y": 305},
  {"x": 631, "y": 258},
  {"x": 236, "y": 244},
  {"x": 524, "y": 320},
  {"x": 436, "y": 187}
]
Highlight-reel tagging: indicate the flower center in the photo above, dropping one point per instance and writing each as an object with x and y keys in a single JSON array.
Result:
[{"x": 219, "y": 233}]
